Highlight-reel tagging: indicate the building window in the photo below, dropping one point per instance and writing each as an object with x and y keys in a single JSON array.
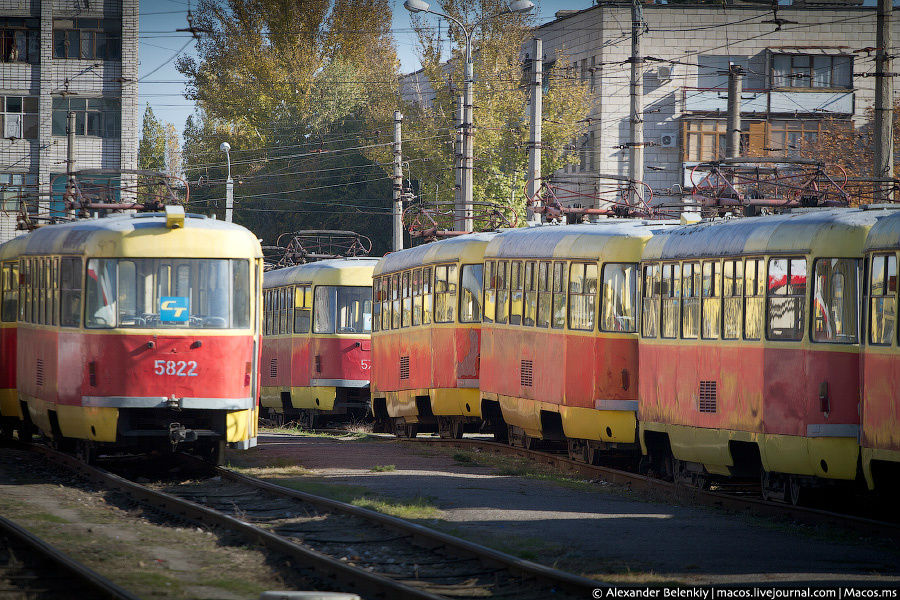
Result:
[
  {"x": 20, "y": 40},
  {"x": 811, "y": 71},
  {"x": 15, "y": 188},
  {"x": 94, "y": 117},
  {"x": 19, "y": 117},
  {"x": 87, "y": 39},
  {"x": 790, "y": 138}
]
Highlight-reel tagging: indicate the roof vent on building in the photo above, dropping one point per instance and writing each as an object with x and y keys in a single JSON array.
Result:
[{"x": 565, "y": 13}]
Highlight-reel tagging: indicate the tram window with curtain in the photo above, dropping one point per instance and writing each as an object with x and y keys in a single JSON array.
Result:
[
  {"x": 376, "y": 304},
  {"x": 670, "y": 292},
  {"x": 386, "y": 303},
  {"x": 650, "y": 302},
  {"x": 544, "y": 295},
  {"x": 883, "y": 299},
  {"x": 303, "y": 308},
  {"x": 406, "y": 317},
  {"x": 560, "y": 287},
  {"x": 530, "y": 313},
  {"x": 427, "y": 291},
  {"x": 754, "y": 298},
  {"x": 289, "y": 309},
  {"x": 619, "y": 297},
  {"x": 470, "y": 294},
  {"x": 582, "y": 296},
  {"x": 395, "y": 301},
  {"x": 834, "y": 301},
  {"x": 690, "y": 310},
  {"x": 711, "y": 308},
  {"x": 417, "y": 297},
  {"x": 502, "y": 281},
  {"x": 490, "y": 295},
  {"x": 786, "y": 299},
  {"x": 732, "y": 299},
  {"x": 444, "y": 293},
  {"x": 10, "y": 292},
  {"x": 70, "y": 292},
  {"x": 515, "y": 292}
]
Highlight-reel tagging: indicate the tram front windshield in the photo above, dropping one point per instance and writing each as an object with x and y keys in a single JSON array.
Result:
[
  {"x": 175, "y": 293},
  {"x": 342, "y": 309}
]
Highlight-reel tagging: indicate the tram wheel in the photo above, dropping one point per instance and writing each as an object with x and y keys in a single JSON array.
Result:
[{"x": 85, "y": 451}]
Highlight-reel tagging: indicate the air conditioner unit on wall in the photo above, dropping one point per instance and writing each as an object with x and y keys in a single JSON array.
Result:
[
  {"x": 669, "y": 140},
  {"x": 664, "y": 72}
]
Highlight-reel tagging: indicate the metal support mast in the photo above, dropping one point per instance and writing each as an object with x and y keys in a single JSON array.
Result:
[
  {"x": 884, "y": 102},
  {"x": 636, "y": 145},
  {"x": 537, "y": 103},
  {"x": 735, "y": 88},
  {"x": 398, "y": 183}
]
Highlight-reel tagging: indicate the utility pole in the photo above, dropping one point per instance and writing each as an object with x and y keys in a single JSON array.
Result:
[
  {"x": 229, "y": 183},
  {"x": 735, "y": 88},
  {"x": 70, "y": 160},
  {"x": 468, "y": 132},
  {"x": 398, "y": 182},
  {"x": 884, "y": 103},
  {"x": 636, "y": 145},
  {"x": 537, "y": 106},
  {"x": 459, "y": 207}
]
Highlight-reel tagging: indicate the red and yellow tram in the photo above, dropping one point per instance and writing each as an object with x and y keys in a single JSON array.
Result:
[
  {"x": 749, "y": 349},
  {"x": 559, "y": 349},
  {"x": 426, "y": 338},
  {"x": 141, "y": 333},
  {"x": 11, "y": 411},
  {"x": 316, "y": 353},
  {"x": 880, "y": 432}
]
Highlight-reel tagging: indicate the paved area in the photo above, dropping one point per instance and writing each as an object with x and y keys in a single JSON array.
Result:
[{"x": 600, "y": 530}]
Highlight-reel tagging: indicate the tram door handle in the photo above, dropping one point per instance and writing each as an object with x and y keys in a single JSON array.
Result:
[{"x": 824, "y": 404}]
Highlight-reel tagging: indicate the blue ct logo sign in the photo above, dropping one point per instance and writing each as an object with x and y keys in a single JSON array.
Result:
[{"x": 174, "y": 309}]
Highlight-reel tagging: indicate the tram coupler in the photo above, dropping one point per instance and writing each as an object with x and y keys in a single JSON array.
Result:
[
  {"x": 173, "y": 403},
  {"x": 179, "y": 434}
]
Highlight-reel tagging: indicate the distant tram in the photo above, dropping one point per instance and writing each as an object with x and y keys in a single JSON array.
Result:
[
  {"x": 140, "y": 333},
  {"x": 317, "y": 353}
]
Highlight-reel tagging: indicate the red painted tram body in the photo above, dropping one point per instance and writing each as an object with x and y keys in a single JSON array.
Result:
[
  {"x": 427, "y": 336},
  {"x": 750, "y": 350},
  {"x": 317, "y": 351},
  {"x": 141, "y": 333},
  {"x": 559, "y": 351},
  {"x": 11, "y": 410}
]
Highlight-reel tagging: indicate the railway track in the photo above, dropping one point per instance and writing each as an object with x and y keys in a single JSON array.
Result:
[
  {"x": 733, "y": 496},
  {"x": 31, "y": 568},
  {"x": 357, "y": 550}
]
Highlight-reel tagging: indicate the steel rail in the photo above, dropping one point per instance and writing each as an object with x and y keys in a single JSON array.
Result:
[
  {"x": 99, "y": 586},
  {"x": 634, "y": 481}
]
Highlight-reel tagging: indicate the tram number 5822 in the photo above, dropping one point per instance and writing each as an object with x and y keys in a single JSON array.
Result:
[{"x": 179, "y": 368}]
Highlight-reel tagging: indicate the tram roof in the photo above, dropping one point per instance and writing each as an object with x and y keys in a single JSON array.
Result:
[
  {"x": 829, "y": 232},
  {"x": 13, "y": 248},
  {"x": 463, "y": 248},
  {"x": 145, "y": 235},
  {"x": 885, "y": 235},
  {"x": 333, "y": 271},
  {"x": 618, "y": 239}
]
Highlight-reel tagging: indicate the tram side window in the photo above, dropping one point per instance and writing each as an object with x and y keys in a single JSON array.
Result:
[
  {"x": 395, "y": 301},
  {"x": 406, "y": 300},
  {"x": 70, "y": 292},
  {"x": 559, "y": 295},
  {"x": 444, "y": 293},
  {"x": 754, "y": 296},
  {"x": 670, "y": 292},
  {"x": 530, "y": 312},
  {"x": 690, "y": 309},
  {"x": 41, "y": 296},
  {"x": 544, "y": 295},
  {"x": 618, "y": 301},
  {"x": 386, "y": 303},
  {"x": 24, "y": 290},
  {"x": 582, "y": 296},
  {"x": 101, "y": 293},
  {"x": 417, "y": 297},
  {"x": 650, "y": 305},
  {"x": 490, "y": 294},
  {"x": 711, "y": 308},
  {"x": 502, "y": 286},
  {"x": 426, "y": 296},
  {"x": 288, "y": 309},
  {"x": 834, "y": 301},
  {"x": 786, "y": 296},
  {"x": 267, "y": 312},
  {"x": 10, "y": 292},
  {"x": 732, "y": 299},
  {"x": 342, "y": 309},
  {"x": 376, "y": 304},
  {"x": 515, "y": 292},
  {"x": 470, "y": 294},
  {"x": 54, "y": 291},
  {"x": 883, "y": 299}
]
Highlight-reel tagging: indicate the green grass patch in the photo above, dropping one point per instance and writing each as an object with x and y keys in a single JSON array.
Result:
[
  {"x": 383, "y": 468},
  {"x": 46, "y": 518},
  {"x": 466, "y": 458},
  {"x": 242, "y": 587},
  {"x": 295, "y": 429},
  {"x": 418, "y": 508},
  {"x": 335, "y": 491}
]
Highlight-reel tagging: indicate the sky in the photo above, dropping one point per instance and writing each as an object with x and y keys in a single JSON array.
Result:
[{"x": 162, "y": 86}]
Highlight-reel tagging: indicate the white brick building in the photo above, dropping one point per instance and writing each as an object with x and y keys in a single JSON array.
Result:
[
  {"x": 800, "y": 75},
  {"x": 57, "y": 56}
]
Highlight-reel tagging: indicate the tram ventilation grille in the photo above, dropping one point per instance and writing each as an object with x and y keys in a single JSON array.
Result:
[
  {"x": 404, "y": 367},
  {"x": 39, "y": 373},
  {"x": 318, "y": 363},
  {"x": 708, "y": 396},
  {"x": 273, "y": 368},
  {"x": 526, "y": 373}
]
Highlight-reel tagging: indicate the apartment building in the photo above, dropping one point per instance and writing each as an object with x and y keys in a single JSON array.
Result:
[{"x": 58, "y": 56}]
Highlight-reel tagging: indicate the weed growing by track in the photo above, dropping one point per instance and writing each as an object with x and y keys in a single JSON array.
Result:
[{"x": 383, "y": 468}]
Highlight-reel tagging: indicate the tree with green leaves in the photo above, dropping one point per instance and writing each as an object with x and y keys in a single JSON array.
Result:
[{"x": 152, "y": 146}]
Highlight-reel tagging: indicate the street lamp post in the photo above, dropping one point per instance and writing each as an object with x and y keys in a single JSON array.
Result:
[
  {"x": 462, "y": 214},
  {"x": 229, "y": 184}
]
